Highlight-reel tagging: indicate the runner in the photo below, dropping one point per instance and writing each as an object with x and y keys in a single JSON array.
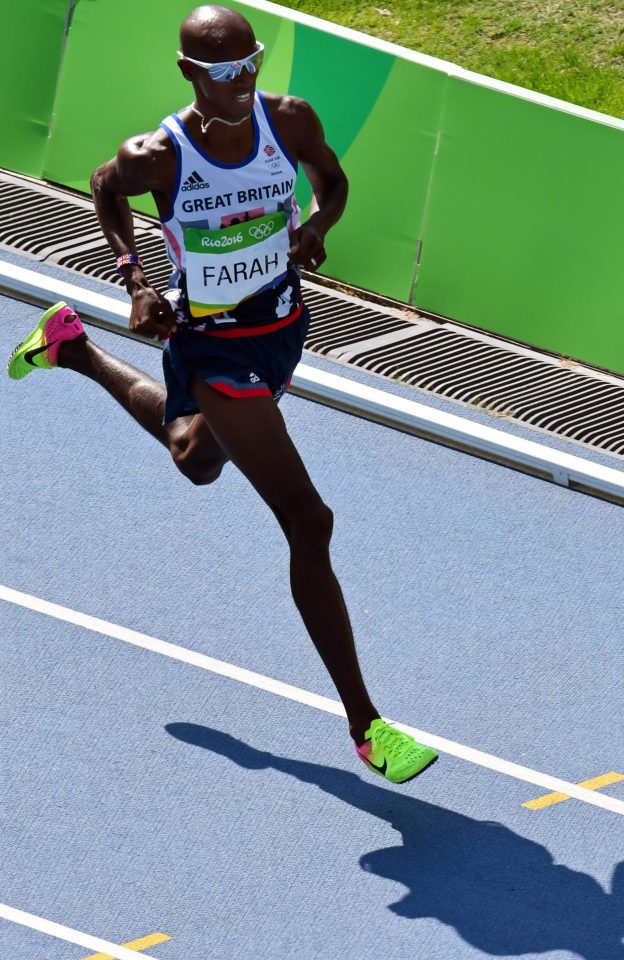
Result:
[{"x": 222, "y": 173}]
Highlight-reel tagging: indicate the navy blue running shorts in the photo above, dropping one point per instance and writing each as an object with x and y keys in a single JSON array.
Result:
[{"x": 260, "y": 364}]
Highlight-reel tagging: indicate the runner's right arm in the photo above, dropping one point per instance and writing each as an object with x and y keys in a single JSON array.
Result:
[{"x": 136, "y": 169}]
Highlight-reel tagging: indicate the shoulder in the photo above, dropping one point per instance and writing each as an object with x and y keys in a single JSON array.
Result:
[
  {"x": 145, "y": 158},
  {"x": 296, "y": 122},
  {"x": 142, "y": 163},
  {"x": 285, "y": 109}
]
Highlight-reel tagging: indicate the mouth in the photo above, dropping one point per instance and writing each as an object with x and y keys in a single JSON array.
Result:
[{"x": 242, "y": 98}]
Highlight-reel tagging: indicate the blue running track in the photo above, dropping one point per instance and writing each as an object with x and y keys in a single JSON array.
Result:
[{"x": 142, "y": 794}]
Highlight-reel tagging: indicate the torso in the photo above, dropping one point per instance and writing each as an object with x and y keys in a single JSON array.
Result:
[
  {"x": 235, "y": 151},
  {"x": 227, "y": 207}
]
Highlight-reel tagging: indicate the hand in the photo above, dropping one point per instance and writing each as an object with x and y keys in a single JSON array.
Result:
[
  {"x": 151, "y": 315},
  {"x": 306, "y": 247}
]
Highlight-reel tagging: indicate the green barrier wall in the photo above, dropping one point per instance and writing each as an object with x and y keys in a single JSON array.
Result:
[
  {"x": 33, "y": 37},
  {"x": 468, "y": 200},
  {"x": 524, "y": 228}
]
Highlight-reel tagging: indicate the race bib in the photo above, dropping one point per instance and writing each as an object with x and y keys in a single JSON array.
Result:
[{"x": 228, "y": 265}]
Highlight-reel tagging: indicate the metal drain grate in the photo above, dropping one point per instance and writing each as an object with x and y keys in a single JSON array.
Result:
[
  {"x": 337, "y": 323},
  {"x": 505, "y": 382},
  {"x": 465, "y": 366},
  {"x": 60, "y": 228}
]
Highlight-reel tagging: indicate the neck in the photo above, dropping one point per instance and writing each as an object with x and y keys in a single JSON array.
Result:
[{"x": 228, "y": 128}]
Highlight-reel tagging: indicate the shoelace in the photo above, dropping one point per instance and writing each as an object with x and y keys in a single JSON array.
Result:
[
  {"x": 393, "y": 741},
  {"x": 400, "y": 745}
]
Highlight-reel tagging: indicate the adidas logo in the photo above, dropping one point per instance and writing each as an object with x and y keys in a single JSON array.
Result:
[{"x": 194, "y": 182}]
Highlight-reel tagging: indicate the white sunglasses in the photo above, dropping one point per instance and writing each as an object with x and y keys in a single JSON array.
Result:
[{"x": 230, "y": 69}]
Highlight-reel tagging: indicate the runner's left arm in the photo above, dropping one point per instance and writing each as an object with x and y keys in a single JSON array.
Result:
[{"x": 329, "y": 185}]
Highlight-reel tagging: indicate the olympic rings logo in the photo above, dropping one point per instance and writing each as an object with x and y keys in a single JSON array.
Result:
[{"x": 263, "y": 231}]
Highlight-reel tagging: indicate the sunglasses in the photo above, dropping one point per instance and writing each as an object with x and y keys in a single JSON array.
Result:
[{"x": 230, "y": 69}]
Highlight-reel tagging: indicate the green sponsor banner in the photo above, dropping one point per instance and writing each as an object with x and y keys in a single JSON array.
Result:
[
  {"x": 236, "y": 237},
  {"x": 524, "y": 229},
  {"x": 389, "y": 164},
  {"x": 34, "y": 34},
  {"x": 115, "y": 83}
]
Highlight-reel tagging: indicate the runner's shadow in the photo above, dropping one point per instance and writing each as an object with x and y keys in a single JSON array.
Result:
[{"x": 501, "y": 892}]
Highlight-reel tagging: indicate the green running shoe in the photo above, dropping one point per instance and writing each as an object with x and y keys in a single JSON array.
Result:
[
  {"x": 39, "y": 351},
  {"x": 393, "y": 754}
]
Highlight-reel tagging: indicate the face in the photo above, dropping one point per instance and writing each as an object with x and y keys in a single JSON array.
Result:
[{"x": 229, "y": 99}]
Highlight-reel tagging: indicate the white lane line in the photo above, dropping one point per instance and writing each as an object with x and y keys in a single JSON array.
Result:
[
  {"x": 281, "y": 689},
  {"x": 69, "y": 934}
]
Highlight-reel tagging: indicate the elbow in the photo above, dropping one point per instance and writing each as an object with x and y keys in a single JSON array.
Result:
[
  {"x": 95, "y": 181},
  {"x": 342, "y": 186}
]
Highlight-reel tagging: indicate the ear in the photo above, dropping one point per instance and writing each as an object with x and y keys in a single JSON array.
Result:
[{"x": 186, "y": 69}]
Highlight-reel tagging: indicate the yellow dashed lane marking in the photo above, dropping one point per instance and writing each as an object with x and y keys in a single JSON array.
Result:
[
  {"x": 137, "y": 945},
  {"x": 595, "y": 784}
]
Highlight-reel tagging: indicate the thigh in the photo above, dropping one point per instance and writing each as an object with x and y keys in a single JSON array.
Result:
[{"x": 253, "y": 435}]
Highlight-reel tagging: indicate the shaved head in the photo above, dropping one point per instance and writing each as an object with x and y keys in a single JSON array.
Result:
[{"x": 209, "y": 30}]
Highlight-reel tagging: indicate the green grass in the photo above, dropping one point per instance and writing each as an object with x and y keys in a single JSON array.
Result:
[{"x": 571, "y": 49}]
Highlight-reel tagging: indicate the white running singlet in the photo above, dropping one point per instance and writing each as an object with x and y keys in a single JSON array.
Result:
[{"x": 229, "y": 225}]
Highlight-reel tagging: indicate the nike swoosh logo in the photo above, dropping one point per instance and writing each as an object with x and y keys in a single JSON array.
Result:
[
  {"x": 30, "y": 354},
  {"x": 376, "y": 766}
]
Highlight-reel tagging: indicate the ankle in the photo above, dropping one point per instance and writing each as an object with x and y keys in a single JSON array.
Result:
[
  {"x": 70, "y": 350},
  {"x": 358, "y": 728}
]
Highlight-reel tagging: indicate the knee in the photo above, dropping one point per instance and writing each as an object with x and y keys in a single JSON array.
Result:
[
  {"x": 201, "y": 478},
  {"x": 199, "y": 472},
  {"x": 313, "y": 525}
]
